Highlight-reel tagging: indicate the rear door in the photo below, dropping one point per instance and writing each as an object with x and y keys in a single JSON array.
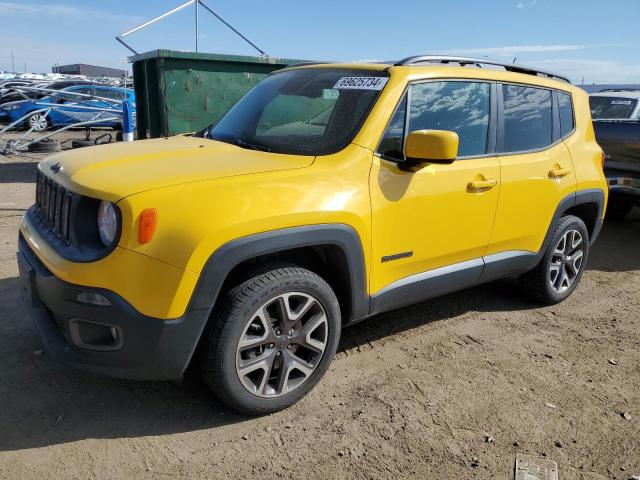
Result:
[{"x": 535, "y": 164}]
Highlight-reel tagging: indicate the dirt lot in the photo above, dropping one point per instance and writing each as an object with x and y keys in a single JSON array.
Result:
[{"x": 411, "y": 394}]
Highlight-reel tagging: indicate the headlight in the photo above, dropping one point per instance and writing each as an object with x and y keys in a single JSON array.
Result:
[
  {"x": 12, "y": 107},
  {"x": 107, "y": 223}
]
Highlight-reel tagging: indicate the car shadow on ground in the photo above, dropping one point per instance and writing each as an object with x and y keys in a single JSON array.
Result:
[
  {"x": 45, "y": 403},
  {"x": 18, "y": 172},
  {"x": 618, "y": 247}
]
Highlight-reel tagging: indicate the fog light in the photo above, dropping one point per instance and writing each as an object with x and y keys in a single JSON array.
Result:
[
  {"x": 94, "y": 335},
  {"x": 93, "y": 299}
]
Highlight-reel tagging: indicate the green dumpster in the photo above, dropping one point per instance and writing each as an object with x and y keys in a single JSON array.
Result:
[{"x": 178, "y": 92}]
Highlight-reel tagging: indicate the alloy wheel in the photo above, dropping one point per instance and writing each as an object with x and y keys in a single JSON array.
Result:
[
  {"x": 38, "y": 122},
  {"x": 282, "y": 344},
  {"x": 566, "y": 261}
]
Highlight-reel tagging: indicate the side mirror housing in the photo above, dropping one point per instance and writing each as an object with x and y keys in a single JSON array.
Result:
[{"x": 431, "y": 146}]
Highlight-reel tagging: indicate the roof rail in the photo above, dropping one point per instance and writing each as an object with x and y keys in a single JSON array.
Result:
[{"x": 478, "y": 62}]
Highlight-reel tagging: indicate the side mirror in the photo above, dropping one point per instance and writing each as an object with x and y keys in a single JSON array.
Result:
[{"x": 431, "y": 146}]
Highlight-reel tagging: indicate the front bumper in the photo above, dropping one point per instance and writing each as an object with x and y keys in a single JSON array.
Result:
[{"x": 143, "y": 348}]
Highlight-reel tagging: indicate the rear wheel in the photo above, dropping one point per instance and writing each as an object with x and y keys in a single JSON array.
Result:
[
  {"x": 559, "y": 272},
  {"x": 271, "y": 340}
]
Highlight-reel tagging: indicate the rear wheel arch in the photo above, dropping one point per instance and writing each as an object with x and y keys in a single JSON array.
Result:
[{"x": 588, "y": 205}]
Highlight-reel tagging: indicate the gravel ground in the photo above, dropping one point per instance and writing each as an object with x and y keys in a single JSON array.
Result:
[{"x": 412, "y": 394}]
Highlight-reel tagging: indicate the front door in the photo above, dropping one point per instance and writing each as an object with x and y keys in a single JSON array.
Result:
[{"x": 438, "y": 215}]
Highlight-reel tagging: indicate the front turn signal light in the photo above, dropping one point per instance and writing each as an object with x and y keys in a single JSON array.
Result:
[{"x": 147, "y": 225}]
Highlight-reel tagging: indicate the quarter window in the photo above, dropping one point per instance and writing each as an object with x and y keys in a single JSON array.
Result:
[
  {"x": 462, "y": 107},
  {"x": 566, "y": 114},
  {"x": 527, "y": 118},
  {"x": 392, "y": 144}
]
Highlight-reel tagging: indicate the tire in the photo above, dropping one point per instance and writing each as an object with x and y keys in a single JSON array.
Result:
[
  {"x": 295, "y": 351},
  {"x": 82, "y": 143},
  {"x": 545, "y": 283},
  {"x": 47, "y": 145},
  {"x": 619, "y": 206},
  {"x": 38, "y": 122}
]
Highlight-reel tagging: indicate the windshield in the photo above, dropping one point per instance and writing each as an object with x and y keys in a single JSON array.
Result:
[
  {"x": 315, "y": 111},
  {"x": 603, "y": 108}
]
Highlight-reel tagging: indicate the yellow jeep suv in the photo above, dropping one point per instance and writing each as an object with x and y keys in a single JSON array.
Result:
[{"x": 329, "y": 193}]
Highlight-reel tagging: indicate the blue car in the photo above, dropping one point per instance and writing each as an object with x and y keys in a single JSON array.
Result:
[{"x": 68, "y": 112}]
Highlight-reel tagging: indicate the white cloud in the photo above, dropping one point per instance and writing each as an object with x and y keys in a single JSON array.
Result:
[
  {"x": 59, "y": 10},
  {"x": 520, "y": 5},
  {"x": 593, "y": 71},
  {"x": 516, "y": 49}
]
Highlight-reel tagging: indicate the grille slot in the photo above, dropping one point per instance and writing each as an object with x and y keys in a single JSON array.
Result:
[{"x": 53, "y": 206}]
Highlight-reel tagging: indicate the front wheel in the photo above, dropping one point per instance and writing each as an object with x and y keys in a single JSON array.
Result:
[
  {"x": 559, "y": 272},
  {"x": 271, "y": 340}
]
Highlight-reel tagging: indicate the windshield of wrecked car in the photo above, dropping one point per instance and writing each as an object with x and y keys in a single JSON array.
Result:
[
  {"x": 314, "y": 111},
  {"x": 611, "y": 107}
]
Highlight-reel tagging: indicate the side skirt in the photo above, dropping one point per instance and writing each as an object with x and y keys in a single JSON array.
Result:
[{"x": 440, "y": 281}]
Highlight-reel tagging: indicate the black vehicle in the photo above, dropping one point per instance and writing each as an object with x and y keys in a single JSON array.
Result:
[
  {"x": 616, "y": 121},
  {"x": 13, "y": 96}
]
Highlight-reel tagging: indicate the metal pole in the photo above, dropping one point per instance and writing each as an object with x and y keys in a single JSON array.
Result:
[
  {"x": 13, "y": 63},
  {"x": 146, "y": 24},
  {"x": 197, "y": 3},
  {"x": 231, "y": 27}
]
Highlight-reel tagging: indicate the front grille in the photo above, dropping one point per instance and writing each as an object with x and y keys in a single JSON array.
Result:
[{"x": 53, "y": 206}]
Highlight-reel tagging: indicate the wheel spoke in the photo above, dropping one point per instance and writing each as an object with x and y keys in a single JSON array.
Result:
[
  {"x": 283, "y": 375},
  {"x": 575, "y": 262},
  {"x": 250, "y": 340},
  {"x": 576, "y": 244},
  {"x": 264, "y": 362},
  {"x": 300, "y": 365}
]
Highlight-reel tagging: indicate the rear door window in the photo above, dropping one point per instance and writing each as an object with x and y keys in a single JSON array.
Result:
[
  {"x": 528, "y": 123},
  {"x": 605, "y": 108}
]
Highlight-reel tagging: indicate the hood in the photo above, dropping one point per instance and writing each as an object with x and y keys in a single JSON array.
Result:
[{"x": 112, "y": 172}]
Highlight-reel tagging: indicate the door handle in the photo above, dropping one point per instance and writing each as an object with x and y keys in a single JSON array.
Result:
[
  {"x": 559, "y": 172},
  {"x": 476, "y": 185}
]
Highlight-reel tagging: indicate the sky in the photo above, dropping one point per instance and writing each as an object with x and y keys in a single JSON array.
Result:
[{"x": 587, "y": 40}]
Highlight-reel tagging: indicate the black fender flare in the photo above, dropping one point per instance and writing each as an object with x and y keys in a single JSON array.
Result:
[
  {"x": 580, "y": 197},
  {"x": 225, "y": 258}
]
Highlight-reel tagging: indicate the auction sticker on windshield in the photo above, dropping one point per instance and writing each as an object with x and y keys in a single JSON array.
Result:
[{"x": 361, "y": 83}]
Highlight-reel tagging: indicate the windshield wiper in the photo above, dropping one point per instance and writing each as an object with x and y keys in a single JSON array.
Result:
[{"x": 239, "y": 142}]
